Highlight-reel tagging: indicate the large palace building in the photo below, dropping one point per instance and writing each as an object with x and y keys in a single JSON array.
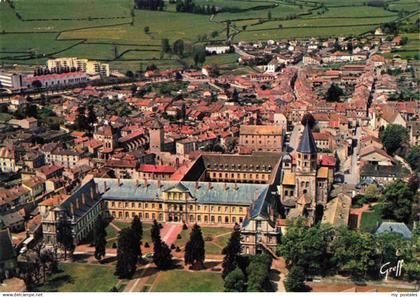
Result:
[{"x": 251, "y": 190}]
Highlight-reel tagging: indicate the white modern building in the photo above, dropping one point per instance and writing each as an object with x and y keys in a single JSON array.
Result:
[
  {"x": 84, "y": 65},
  {"x": 11, "y": 80}
]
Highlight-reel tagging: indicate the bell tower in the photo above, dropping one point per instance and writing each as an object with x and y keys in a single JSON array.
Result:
[
  {"x": 156, "y": 136},
  {"x": 306, "y": 168}
]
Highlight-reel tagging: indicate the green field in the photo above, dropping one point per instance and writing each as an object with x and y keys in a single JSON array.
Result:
[
  {"x": 76, "y": 277},
  {"x": 185, "y": 281},
  {"x": 34, "y": 30}
]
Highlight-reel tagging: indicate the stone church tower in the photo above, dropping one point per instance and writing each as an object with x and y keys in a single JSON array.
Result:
[
  {"x": 156, "y": 137},
  {"x": 306, "y": 168}
]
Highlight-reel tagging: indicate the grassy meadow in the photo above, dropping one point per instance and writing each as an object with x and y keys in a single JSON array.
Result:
[{"x": 31, "y": 31}]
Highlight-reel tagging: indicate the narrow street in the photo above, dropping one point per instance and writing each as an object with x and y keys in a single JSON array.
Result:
[{"x": 353, "y": 177}]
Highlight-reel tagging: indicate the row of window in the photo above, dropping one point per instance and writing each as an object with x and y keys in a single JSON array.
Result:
[
  {"x": 260, "y": 142},
  {"x": 238, "y": 166},
  {"x": 238, "y": 175},
  {"x": 177, "y": 217},
  {"x": 259, "y": 136},
  {"x": 321, "y": 142},
  {"x": 112, "y": 204}
]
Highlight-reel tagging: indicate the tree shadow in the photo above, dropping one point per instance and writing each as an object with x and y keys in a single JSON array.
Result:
[
  {"x": 80, "y": 257},
  {"x": 108, "y": 260},
  {"x": 211, "y": 264},
  {"x": 145, "y": 272}
]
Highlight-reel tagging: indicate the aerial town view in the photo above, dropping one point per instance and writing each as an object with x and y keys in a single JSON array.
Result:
[{"x": 209, "y": 146}]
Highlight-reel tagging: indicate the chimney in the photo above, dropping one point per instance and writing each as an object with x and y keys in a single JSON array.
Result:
[
  {"x": 83, "y": 199},
  {"x": 225, "y": 187},
  {"x": 71, "y": 209},
  {"x": 137, "y": 183},
  {"x": 158, "y": 183},
  {"x": 235, "y": 186},
  {"x": 197, "y": 185},
  {"x": 96, "y": 188},
  {"x": 118, "y": 181},
  {"x": 209, "y": 185},
  {"x": 105, "y": 186},
  {"x": 145, "y": 182},
  {"x": 92, "y": 193},
  {"x": 256, "y": 195}
]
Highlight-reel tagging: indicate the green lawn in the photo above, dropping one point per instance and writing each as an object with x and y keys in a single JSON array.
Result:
[
  {"x": 185, "y": 281},
  {"x": 112, "y": 233},
  {"x": 224, "y": 59},
  {"x": 370, "y": 220},
  {"x": 219, "y": 238},
  {"x": 77, "y": 277}
]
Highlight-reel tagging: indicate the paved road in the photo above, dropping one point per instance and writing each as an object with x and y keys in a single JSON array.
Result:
[
  {"x": 353, "y": 177},
  {"x": 170, "y": 232},
  {"x": 294, "y": 137}
]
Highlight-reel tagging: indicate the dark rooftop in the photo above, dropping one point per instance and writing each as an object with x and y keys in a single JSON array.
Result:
[{"x": 307, "y": 143}]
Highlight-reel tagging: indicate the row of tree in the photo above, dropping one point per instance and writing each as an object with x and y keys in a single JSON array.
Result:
[
  {"x": 149, "y": 4},
  {"x": 177, "y": 47},
  {"x": 197, "y": 52},
  {"x": 190, "y": 6},
  {"x": 330, "y": 250},
  {"x": 129, "y": 251}
]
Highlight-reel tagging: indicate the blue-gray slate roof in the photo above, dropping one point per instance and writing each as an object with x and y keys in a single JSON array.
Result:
[
  {"x": 307, "y": 143},
  {"x": 218, "y": 193},
  {"x": 399, "y": 228}
]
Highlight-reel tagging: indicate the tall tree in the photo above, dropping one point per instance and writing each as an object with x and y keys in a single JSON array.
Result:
[
  {"x": 65, "y": 236},
  {"x": 137, "y": 228},
  {"x": 258, "y": 272},
  {"x": 235, "y": 281},
  {"x": 81, "y": 123},
  {"x": 352, "y": 252},
  {"x": 91, "y": 118},
  {"x": 166, "y": 47},
  {"x": 232, "y": 252},
  {"x": 305, "y": 247},
  {"x": 48, "y": 262},
  {"x": 99, "y": 237},
  {"x": 178, "y": 47},
  {"x": 127, "y": 254},
  {"x": 334, "y": 93},
  {"x": 199, "y": 55},
  {"x": 413, "y": 157},
  {"x": 393, "y": 137},
  {"x": 161, "y": 252},
  {"x": 194, "y": 249},
  {"x": 295, "y": 281},
  {"x": 397, "y": 201}
]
